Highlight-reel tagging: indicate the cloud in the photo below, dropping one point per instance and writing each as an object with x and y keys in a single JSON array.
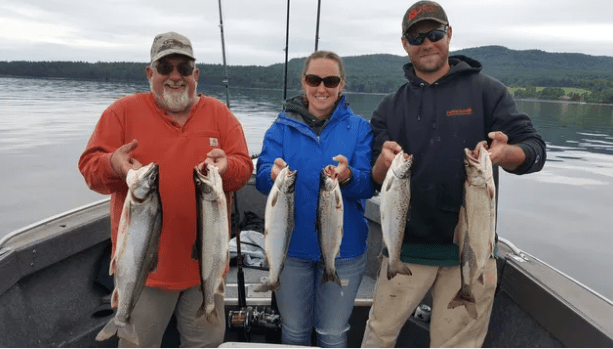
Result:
[{"x": 254, "y": 31}]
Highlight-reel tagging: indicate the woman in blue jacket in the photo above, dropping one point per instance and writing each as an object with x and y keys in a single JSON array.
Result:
[{"x": 312, "y": 129}]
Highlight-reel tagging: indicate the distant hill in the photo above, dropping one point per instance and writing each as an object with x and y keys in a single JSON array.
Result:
[
  {"x": 540, "y": 68},
  {"x": 376, "y": 73}
]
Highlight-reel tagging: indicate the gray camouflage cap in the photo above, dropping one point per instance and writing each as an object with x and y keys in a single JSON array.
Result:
[{"x": 171, "y": 43}]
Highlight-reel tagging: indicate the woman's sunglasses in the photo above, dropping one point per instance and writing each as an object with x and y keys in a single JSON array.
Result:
[
  {"x": 329, "y": 81},
  {"x": 165, "y": 68},
  {"x": 417, "y": 39}
]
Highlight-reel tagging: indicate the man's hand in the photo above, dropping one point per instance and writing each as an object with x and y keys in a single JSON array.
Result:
[
  {"x": 508, "y": 156},
  {"x": 217, "y": 158},
  {"x": 122, "y": 160},
  {"x": 384, "y": 161},
  {"x": 278, "y": 165}
]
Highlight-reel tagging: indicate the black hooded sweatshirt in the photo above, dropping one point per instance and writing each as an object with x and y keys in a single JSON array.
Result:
[{"x": 434, "y": 123}]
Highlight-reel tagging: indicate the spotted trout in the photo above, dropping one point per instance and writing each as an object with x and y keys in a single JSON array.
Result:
[
  {"x": 136, "y": 252},
  {"x": 329, "y": 222},
  {"x": 475, "y": 231},
  {"x": 278, "y": 226},
  {"x": 395, "y": 199},
  {"x": 212, "y": 240}
]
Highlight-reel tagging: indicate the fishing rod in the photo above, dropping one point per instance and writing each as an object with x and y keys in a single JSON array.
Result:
[
  {"x": 317, "y": 26},
  {"x": 286, "y": 53},
  {"x": 223, "y": 52},
  {"x": 245, "y": 317},
  {"x": 242, "y": 299}
]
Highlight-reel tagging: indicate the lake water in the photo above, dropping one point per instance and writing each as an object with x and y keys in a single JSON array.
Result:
[{"x": 563, "y": 215}]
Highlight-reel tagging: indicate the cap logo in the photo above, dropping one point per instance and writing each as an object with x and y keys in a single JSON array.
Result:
[
  {"x": 417, "y": 11},
  {"x": 172, "y": 43}
]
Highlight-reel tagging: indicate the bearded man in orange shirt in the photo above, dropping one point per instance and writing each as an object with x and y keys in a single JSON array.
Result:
[{"x": 178, "y": 129}]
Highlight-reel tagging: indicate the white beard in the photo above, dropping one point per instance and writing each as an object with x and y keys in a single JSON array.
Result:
[{"x": 174, "y": 102}]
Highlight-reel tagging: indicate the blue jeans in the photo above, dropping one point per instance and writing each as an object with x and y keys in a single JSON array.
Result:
[{"x": 304, "y": 302}]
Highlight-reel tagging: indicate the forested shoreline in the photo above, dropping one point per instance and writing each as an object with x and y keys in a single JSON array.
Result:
[{"x": 538, "y": 74}]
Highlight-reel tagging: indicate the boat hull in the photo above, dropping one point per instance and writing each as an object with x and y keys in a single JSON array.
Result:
[{"x": 55, "y": 290}]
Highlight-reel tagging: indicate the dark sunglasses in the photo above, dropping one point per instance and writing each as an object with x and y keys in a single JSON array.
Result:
[
  {"x": 165, "y": 68},
  {"x": 329, "y": 81},
  {"x": 434, "y": 35}
]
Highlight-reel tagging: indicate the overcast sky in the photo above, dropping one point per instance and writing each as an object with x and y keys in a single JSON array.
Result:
[{"x": 254, "y": 30}]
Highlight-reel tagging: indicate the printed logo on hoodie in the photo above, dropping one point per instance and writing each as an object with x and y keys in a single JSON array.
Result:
[{"x": 459, "y": 112}]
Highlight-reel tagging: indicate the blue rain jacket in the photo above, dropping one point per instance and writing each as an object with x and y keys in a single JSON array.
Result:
[{"x": 292, "y": 140}]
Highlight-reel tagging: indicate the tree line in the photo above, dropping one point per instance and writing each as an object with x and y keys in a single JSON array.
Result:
[{"x": 376, "y": 73}]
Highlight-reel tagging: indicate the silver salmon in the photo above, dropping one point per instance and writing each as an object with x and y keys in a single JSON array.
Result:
[
  {"x": 278, "y": 226},
  {"x": 212, "y": 240},
  {"x": 329, "y": 222},
  {"x": 136, "y": 252},
  {"x": 395, "y": 199},
  {"x": 475, "y": 232}
]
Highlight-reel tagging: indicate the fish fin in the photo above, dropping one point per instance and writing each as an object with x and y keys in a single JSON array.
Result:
[
  {"x": 115, "y": 298},
  {"x": 331, "y": 276},
  {"x": 389, "y": 185},
  {"x": 481, "y": 279},
  {"x": 153, "y": 266},
  {"x": 128, "y": 332},
  {"x": 339, "y": 199},
  {"x": 113, "y": 266},
  {"x": 220, "y": 288},
  {"x": 108, "y": 331},
  {"x": 201, "y": 310},
  {"x": 457, "y": 227},
  {"x": 275, "y": 197},
  {"x": 471, "y": 308},
  {"x": 396, "y": 268},
  {"x": 465, "y": 297}
]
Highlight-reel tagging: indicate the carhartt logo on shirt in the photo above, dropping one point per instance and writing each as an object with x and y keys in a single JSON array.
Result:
[
  {"x": 459, "y": 112},
  {"x": 214, "y": 142}
]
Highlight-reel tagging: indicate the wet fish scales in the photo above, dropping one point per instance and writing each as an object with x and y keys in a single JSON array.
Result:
[
  {"x": 135, "y": 254},
  {"x": 278, "y": 226},
  {"x": 475, "y": 232},
  {"x": 329, "y": 222},
  {"x": 395, "y": 200},
  {"x": 212, "y": 240}
]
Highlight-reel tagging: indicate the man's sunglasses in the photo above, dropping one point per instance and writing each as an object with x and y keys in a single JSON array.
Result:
[
  {"x": 165, "y": 68},
  {"x": 329, "y": 81},
  {"x": 417, "y": 39}
]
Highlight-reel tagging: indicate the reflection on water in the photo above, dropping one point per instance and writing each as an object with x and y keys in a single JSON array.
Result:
[
  {"x": 37, "y": 112},
  {"x": 579, "y": 139},
  {"x": 561, "y": 214}
]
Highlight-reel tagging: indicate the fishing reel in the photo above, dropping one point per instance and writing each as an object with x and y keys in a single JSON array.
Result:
[{"x": 248, "y": 318}]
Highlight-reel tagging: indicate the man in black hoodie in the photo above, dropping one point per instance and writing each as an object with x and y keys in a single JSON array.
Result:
[{"x": 446, "y": 105}]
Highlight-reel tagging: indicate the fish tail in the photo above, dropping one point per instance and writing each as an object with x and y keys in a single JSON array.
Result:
[
  {"x": 331, "y": 275},
  {"x": 108, "y": 331},
  {"x": 466, "y": 298},
  {"x": 128, "y": 332},
  {"x": 201, "y": 311},
  {"x": 267, "y": 286},
  {"x": 212, "y": 315},
  {"x": 200, "y": 316},
  {"x": 397, "y": 267}
]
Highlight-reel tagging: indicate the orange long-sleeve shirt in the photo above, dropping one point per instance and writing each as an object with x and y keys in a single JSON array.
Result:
[{"x": 177, "y": 149}]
